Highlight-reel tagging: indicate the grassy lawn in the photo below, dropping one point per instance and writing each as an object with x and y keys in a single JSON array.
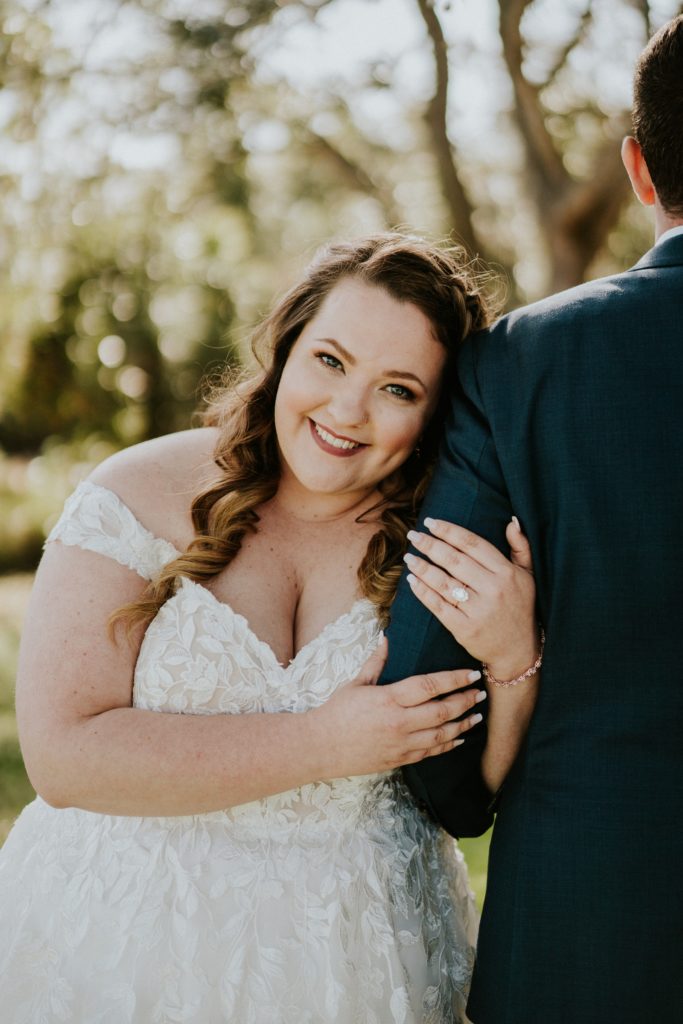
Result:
[
  {"x": 477, "y": 855},
  {"x": 15, "y": 789}
]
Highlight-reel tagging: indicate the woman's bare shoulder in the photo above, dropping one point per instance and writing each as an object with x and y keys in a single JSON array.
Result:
[{"x": 158, "y": 479}]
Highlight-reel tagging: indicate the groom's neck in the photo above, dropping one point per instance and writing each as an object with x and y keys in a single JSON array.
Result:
[{"x": 665, "y": 220}]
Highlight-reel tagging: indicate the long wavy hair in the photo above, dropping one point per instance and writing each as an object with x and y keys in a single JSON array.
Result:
[{"x": 440, "y": 283}]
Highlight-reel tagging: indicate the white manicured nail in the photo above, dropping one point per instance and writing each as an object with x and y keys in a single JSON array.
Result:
[
  {"x": 482, "y": 695},
  {"x": 473, "y": 676},
  {"x": 429, "y": 523}
]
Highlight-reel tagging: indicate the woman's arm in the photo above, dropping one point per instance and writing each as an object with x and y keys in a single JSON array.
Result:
[
  {"x": 85, "y": 746},
  {"x": 510, "y": 711},
  {"x": 496, "y": 623}
]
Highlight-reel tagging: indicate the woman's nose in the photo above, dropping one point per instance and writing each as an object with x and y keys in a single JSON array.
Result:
[{"x": 350, "y": 407}]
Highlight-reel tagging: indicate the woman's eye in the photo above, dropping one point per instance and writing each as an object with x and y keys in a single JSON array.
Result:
[
  {"x": 329, "y": 360},
  {"x": 397, "y": 389}
]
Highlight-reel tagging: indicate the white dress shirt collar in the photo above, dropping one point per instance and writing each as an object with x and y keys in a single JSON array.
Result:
[{"x": 678, "y": 230}]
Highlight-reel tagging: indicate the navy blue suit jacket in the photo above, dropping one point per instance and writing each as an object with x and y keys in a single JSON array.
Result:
[{"x": 569, "y": 412}]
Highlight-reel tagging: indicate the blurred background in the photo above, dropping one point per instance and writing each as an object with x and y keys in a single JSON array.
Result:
[{"x": 168, "y": 166}]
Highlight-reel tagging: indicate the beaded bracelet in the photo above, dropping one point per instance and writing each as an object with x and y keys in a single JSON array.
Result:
[{"x": 527, "y": 674}]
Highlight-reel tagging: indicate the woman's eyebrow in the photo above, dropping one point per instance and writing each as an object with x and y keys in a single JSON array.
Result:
[
  {"x": 340, "y": 349},
  {"x": 402, "y": 374}
]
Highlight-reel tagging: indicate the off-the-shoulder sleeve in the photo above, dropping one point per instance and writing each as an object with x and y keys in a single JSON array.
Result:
[{"x": 96, "y": 519}]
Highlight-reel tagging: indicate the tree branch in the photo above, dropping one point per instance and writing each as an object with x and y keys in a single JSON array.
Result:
[
  {"x": 544, "y": 159},
  {"x": 353, "y": 174},
  {"x": 644, "y": 7},
  {"x": 570, "y": 46},
  {"x": 436, "y": 117}
]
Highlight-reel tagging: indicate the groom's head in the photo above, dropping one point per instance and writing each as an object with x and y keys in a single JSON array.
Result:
[{"x": 654, "y": 157}]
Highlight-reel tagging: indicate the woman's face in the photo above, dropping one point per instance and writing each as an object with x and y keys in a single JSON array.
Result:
[{"x": 358, "y": 388}]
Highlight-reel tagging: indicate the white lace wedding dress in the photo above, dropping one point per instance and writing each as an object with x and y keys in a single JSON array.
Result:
[{"x": 335, "y": 903}]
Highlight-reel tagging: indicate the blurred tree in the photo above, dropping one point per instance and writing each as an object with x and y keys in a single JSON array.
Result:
[
  {"x": 116, "y": 302},
  {"x": 574, "y": 210},
  {"x": 570, "y": 179}
]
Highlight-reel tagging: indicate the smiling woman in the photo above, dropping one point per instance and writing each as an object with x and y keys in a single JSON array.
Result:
[
  {"x": 221, "y": 832},
  {"x": 338, "y": 389}
]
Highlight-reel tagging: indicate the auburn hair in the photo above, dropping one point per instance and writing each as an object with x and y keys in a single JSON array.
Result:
[{"x": 439, "y": 281}]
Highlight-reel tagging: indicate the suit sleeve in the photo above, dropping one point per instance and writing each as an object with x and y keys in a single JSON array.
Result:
[{"x": 467, "y": 488}]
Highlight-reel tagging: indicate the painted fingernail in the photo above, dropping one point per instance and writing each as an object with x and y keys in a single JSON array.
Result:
[
  {"x": 413, "y": 536},
  {"x": 429, "y": 523},
  {"x": 482, "y": 695},
  {"x": 515, "y": 520},
  {"x": 473, "y": 676},
  {"x": 458, "y": 743},
  {"x": 410, "y": 559},
  {"x": 475, "y": 719},
  {"x": 411, "y": 579}
]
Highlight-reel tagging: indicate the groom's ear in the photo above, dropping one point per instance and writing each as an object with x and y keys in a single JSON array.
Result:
[{"x": 636, "y": 168}]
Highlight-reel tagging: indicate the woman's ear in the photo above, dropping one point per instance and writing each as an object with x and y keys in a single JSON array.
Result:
[{"x": 636, "y": 168}]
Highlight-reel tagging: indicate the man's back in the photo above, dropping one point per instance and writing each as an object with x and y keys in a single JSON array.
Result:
[
  {"x": 574, "y": 416},
  {"x": 584, "y": 397}
]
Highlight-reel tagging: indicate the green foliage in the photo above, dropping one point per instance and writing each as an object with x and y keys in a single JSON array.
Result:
[
  {"x": 32, "y": 492},
  {"x": 14, "y": 592},
  {"x": 98, "y": 365},
  {"x": 476, "y": 853},
  {"x": 15, "y": 789}
]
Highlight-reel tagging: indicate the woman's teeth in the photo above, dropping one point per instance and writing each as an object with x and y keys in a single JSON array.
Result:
[{"x": 336, "y": 442}]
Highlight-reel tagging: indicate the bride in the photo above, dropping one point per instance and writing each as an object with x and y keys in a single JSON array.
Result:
[{"x": 221, "y": 834}]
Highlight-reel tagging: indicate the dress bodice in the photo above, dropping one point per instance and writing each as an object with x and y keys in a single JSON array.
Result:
[{"x": 200, "y": 657}]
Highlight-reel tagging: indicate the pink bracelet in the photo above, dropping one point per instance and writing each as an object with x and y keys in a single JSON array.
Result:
[{"x": 527, "y": 674}]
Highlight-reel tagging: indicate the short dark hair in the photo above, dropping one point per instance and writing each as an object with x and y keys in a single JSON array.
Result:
[{"x": 658, "y": 113}]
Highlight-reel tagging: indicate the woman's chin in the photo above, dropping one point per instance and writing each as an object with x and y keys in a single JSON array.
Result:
[{"x": 317, "y": 486}]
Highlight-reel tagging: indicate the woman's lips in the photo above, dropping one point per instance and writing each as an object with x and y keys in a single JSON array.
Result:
[{"x": 332, "y": 443}]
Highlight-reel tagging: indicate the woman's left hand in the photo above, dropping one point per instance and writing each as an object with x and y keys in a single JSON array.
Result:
[{"x": 486, "y": 601}]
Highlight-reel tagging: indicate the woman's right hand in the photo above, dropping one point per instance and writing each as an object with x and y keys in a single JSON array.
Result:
[{"x": 365, "y": 728}]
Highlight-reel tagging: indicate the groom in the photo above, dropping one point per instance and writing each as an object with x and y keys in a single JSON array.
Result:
[{"x": 569, "y": 414}]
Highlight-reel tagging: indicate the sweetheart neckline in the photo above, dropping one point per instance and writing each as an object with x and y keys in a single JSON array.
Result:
[
  {"x": 229, "y": 610},
  {"x": 224, "y": 604}
]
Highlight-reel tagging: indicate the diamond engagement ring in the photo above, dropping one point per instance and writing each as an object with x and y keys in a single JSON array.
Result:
[{"x": 461, "y": 594}]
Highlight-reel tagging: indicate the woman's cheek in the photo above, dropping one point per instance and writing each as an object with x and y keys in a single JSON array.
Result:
[{"x": 402, "y": 433}]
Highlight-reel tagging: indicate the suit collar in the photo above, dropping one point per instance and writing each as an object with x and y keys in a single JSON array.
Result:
[{"x": 668, "y": 253}]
